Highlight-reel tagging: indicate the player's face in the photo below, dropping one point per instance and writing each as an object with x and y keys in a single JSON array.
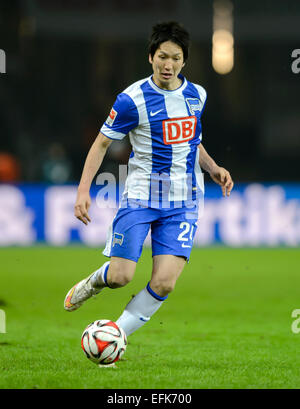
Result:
[{"x": 167, "y": 63}]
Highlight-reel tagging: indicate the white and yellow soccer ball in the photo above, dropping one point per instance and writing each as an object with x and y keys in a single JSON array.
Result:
[{"x": 103, "y": 342}]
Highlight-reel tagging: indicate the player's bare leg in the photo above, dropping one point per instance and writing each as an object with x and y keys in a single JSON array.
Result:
[
  {"x": 114, "y": 274},
  {"x": 166, "y": 270},
  {"x": 120, "y": 272}
]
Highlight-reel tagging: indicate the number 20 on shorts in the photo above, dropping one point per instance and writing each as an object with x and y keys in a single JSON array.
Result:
[{"x": 186, "y": 234}]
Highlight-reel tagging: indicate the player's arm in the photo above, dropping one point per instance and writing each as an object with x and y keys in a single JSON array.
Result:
[
  {"x": 122, "y": 119},
  {"x": 93, "y": 162},
  {"x": 218, "y": 174}
]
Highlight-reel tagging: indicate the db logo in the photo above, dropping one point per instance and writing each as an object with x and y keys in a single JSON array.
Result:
[{"x": 179, "y": 130}]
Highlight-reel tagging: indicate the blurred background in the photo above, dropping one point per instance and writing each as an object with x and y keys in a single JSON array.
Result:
[{"x": 66, "y": 61}]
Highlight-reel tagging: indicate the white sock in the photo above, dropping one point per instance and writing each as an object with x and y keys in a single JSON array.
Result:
[
  {"x": 139, "y": 310},
  {"x": 98, "y": 279}
]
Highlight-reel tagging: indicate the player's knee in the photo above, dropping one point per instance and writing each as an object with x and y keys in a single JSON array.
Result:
[
  {"x": 163, "y": 286},
  {"x": 167, "y": 288},
  {"x": 117, "y": 278}
]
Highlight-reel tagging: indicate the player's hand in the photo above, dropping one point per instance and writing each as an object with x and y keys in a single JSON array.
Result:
[
  {"x": 82, "y": 205},
  {"x": 223, "y": 178}
]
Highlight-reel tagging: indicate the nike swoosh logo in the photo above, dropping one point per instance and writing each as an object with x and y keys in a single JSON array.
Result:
[{"x": 156, "y": 112}]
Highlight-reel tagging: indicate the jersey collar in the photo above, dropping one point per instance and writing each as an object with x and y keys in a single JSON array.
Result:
[{"x": 166, "y": 91}]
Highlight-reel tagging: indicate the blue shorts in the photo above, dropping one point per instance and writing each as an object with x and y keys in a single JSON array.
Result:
[{"x": 172, "y": 232}]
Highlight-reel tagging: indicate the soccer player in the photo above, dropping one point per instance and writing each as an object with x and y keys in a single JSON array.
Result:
[{"x": 162, "y": 115}]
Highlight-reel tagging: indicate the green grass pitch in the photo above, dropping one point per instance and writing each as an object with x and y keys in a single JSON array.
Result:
[{"x": 226, "y": 325}]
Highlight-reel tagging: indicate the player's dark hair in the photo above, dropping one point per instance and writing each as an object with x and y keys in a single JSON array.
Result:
[{"x": 169, "y": 31}]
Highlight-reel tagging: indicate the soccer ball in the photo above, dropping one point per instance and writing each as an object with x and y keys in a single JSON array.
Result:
[{"x": 103, "y": 342}]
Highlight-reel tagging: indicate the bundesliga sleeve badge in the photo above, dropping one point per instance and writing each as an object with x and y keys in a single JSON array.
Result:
[{"x": 111, "y": 117}]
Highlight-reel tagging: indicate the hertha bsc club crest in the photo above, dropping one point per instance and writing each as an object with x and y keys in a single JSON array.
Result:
[
  {"x": 118, "y": 239},
  {"x": 194, "y": 105}
]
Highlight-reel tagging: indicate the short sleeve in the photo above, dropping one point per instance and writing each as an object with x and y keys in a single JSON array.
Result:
[
  {"x": 202, "y": 96},
  {"x": 122, "y": 119}
]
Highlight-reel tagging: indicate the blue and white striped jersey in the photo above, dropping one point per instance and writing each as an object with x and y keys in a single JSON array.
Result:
[{"x": 164, "y": 128}]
